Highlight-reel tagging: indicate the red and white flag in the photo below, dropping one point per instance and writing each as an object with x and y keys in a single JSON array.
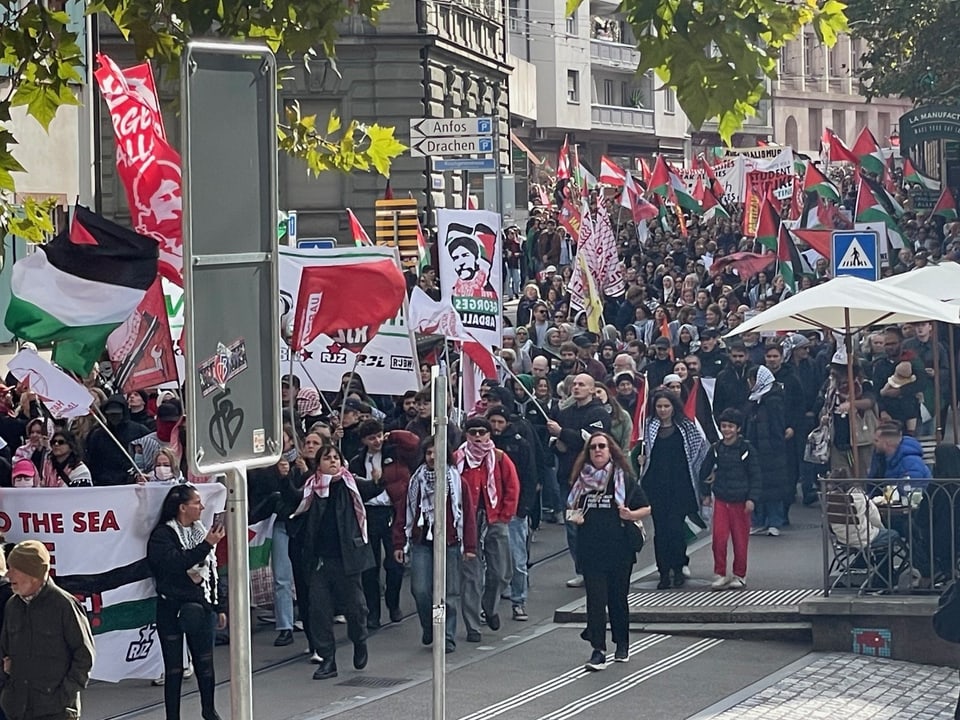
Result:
[
  {"x": 611, "y": 173},
  {"x": 148, "y": 166},
  {"x": 563, "y": 160},
  {"x": 632, "y": 199},
  {"x": 329, "y": 300}
]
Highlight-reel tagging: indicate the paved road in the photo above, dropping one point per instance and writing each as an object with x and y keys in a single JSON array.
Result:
[{"x": 534, "y": 670}]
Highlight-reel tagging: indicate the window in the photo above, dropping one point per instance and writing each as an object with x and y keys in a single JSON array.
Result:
[
  {"x": 514, "y": 16},
  {"x": 573, "y": 86},
  {"x": 572, "y": 25},
  {"x": 884, "y": 126},
  {"x": 814, "y": 124},
  {"x": 625, "y": 95},
  {"x": 862, "y": 119},
  {"x": 840, "y": 123},
  {"x": 669, "y": 101},
  {"x": 608, "y": 93}
]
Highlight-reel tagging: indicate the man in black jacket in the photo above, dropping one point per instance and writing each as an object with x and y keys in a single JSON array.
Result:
[
  {"x": 513, "y": 443},
  {"x": 661, "y": 365},
  {"x": 569, "y": 431},
  {"x": 108, "y": 465},
  {"x": 793, "y": 401},
  {"x": 731, "y": 390},
  {"x": 713, "y": 358}
]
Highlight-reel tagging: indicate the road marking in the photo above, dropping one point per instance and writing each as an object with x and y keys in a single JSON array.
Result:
[
  {"x": 631, "y": 681},
  {"x": 552, "y": 684}
]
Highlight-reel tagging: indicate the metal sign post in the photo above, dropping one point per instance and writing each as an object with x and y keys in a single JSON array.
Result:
[
  {"x": 439, "y": 544},
  {"x": 231, "y": 295}
]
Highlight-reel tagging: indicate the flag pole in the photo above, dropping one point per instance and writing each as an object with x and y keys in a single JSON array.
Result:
[
  {"x": 97, "y": 416},
  {"x": 346, "y": 392},
  {"x": 523, "y": 387}
]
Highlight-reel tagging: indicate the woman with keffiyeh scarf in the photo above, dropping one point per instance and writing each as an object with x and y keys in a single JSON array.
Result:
[
  {"x": 603, "y": 500},
  {"x": 413, "y": 536},
  {"x": 181, "y": 557},
  {"x": 765, "y": 428},
  {"x": 338, "y": 551},
  {"x": 675, "y": 449}
]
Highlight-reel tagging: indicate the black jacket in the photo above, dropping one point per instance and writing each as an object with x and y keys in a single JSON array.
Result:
[
  {"x": 574, "y": 421},
  {"x": 764, "y": 429},
  {"x": 736, "y": 472},
  {"x": 793, "y": 397},
  {"x": 522, "y": 454},
  {"x": 355, "y": 552},
  {"x": 731, "y": 390},
  {"x": 169, "y": 562},
  {"x": 713, "y": 363},
  {"x": 106, "y": 461}
]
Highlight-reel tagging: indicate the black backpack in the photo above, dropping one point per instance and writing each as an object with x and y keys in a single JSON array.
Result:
[{"x": 946, "y": 620}]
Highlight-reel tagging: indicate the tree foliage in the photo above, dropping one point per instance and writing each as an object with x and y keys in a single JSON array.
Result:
[
  {"x": 42, "y": 61},
  {"x": 910, "y": 48},
  {"x": 718, "y": 54}
]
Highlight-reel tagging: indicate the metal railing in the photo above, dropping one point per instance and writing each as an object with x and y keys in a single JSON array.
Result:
[
  {"x": 890, "y": 536},
  {"x": 622, "y": 118}
]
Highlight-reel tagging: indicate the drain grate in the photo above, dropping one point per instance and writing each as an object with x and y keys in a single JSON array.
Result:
[{"x": 369, "y": 681}]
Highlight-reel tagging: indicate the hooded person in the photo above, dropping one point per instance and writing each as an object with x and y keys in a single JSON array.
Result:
[
  {"x": 765, "y": 430},
  {"x": 107, "y": 462}
]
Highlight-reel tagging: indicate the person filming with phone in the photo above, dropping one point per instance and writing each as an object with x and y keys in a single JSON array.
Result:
[{"x": 181, "y": 556}]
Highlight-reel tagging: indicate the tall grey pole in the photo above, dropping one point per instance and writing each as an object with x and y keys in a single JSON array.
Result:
[
  {"x": 241, "y": 663},
  {"x": 440, "y": 544},
  {"x": 498, "y": 168}
]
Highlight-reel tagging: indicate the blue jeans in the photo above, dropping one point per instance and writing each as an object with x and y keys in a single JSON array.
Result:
[
  {"x": 282, "y": 577},
  {"x": 519, "y": 583},
  {"x": 421, "y": 586},
  {"x": 551, "y": 496},
  {"x": 512, "y": 284},
  {"x": 769, "y": 513}
]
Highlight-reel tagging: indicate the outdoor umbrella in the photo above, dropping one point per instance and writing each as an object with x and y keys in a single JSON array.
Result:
[
  {"x": 847, "y": 305},
  {"x": 941, "y": 282}
]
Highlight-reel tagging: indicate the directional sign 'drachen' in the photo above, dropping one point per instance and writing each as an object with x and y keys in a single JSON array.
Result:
[{"x": 451, "y": 137}]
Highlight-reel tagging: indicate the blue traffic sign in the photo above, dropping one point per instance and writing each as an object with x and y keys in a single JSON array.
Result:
[
  {"x": 856, "y": 253},
  {"x": 317, "y": 243},
  {"x": 484, "y": 126},
  {"x": 478, "y": 164}
]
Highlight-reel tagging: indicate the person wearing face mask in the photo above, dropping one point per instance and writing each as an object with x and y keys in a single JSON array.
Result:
[
  {"x": 24, "y": 474},
  {"x": 169, "y": 413},
  {"x": 165, "y": 467}
]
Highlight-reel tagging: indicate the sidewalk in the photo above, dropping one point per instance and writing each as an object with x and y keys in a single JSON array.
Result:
[{"x": 843, "y": 686}]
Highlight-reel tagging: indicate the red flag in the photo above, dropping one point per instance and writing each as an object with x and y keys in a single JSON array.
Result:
[
  {"x": 388, "y": 191},
  {"x": 838, "y": 152},
  {"x": 611, "y": 173},
  {"x": 141, "y": 349},
  {"x": 360, "y": 237},
  {"x": 570, "y": 218},
  {"x": 715, "y": 185},
  {"x": 640, "y": 413},
  {"x": 645, "y": 172},
  {"x": 746, "y": 264},
  {"x": 563, "y": 160},
  {"x": 819, "y": 240},
  {"x": 690, "y": 407},
  {"x": 632, "y": 199},
  {"x": 698, "y": 190},
  {"x": 481, "y": 358},
  {"x": 146, "y": 164},
  {"x": 888, "y": 184},
  {"x": 328, "y": 301}
]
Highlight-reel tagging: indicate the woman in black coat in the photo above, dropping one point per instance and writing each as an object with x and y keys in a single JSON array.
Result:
[
  {"x": 766, "y": 431},
  {"x": 181, "y": 557},
  {"x": 604, "y": 502}
]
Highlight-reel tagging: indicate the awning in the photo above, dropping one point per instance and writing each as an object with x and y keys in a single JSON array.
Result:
[{"x": 519, "y": 143}]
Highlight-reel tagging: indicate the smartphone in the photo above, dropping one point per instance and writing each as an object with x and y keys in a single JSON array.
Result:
[{"x": 218, "y": 521}]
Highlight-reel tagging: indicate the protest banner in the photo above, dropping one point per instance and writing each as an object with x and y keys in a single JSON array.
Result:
[
  {"x": 97, "y": 538},
  {"x": 63, "y": 396},
  {"x": 471, "y": 270},
  {"x": 387, "y": 363}
]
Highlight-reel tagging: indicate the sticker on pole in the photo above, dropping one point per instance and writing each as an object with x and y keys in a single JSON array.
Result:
[{"x": 215, "y": 372}]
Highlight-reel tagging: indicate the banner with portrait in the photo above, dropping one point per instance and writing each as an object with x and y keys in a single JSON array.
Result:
[{"x": 471, "y": 269}]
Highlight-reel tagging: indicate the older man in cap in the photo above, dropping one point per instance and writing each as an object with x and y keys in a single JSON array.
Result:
[{"x": 46, "y": 643}]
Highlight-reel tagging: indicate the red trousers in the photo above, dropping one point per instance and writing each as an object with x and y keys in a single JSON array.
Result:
[{"x": 730, "y": 520}]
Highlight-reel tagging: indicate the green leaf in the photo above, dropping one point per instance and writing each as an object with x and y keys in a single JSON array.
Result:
[{"x": 333, "y": 123}]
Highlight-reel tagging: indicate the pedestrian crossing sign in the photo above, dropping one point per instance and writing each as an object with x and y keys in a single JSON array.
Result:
[{"x": 856, "y": 253}]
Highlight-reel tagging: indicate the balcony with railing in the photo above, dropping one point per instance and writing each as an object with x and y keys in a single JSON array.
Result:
[
  {"x": 614, "y": 117},
  {"x": 614, "y": 55}
]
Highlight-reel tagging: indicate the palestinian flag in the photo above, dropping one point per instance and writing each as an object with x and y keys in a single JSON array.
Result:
[
  {"x": 78, "y": 288},
  {"x": 836, "y": 150},
  {"x": 871, "y": 210},
  {"x": 360, "y": 237},
  {"x": 668, "y": 185},
  {"x": 712, "y": 207},
  {"x": 816, "y": 182},
  {"x": 715, "y": 187},
  {"x": 912, "y": 175},
  {"x": 789, "y": 264},
  {"x": 768, "y": 224},
  {"x": 946, "y": 206},
  {"x": 868, "y": 152}
]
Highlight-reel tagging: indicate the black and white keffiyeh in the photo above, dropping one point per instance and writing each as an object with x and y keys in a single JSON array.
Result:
[
  {"x": 420, "y": 496},
  {"x": 205, "y": 572}
]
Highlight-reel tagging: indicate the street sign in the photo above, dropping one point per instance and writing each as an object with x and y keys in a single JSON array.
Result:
[
  {"x": 449, "y": 127},
  {"x": 324, "y": 243},
  {"x": 476, "y": 164},
  {"x": 856, "y": 253},
  {"x": 451, "y": 146},
  {"x": 292, "y": 227},
  {"x": 396, "y": 225}
]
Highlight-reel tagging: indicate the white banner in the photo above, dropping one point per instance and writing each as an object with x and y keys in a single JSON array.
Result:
[
  {"x": 471, "y": 269},
  {"x": 97, "y": 539},
  {"x": 63, "y": 396},
  {"x": 388, "y": 363}
]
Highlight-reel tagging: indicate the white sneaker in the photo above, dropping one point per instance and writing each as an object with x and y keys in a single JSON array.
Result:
[
  {"x": 315, "y": 658},
  {"x": 758, "y": 531},
  {"x": 188, "y": 672},
  {"x": 575, "y": 582},
  {"x": 720, "y": 582},
  {"x": 685, "y": 570},
  {"x": 773, "y": 532},
  {"x": 737, "y": 583},
  {"x": 340, "y": 619}
]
